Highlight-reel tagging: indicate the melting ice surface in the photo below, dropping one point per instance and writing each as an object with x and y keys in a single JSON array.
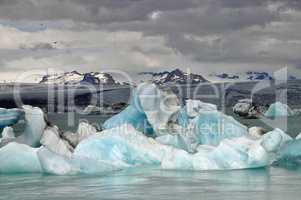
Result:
[
  {"x": 153, "y": 131},
  {"x": 278, "y": 109}
]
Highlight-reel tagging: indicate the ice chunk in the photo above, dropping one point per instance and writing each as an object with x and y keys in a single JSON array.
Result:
[
  {"x": 298, "y": 137},
  {"x": 53, "y": 163},
  {"x": 19, "y": 158},
  {"x": 197, "y": 107},
  {"x": 213, "y": 127},
  {"x": 173, "y": 140},
  {"x": 152, "y": 111},
  {"x": 51, "y": 140},
  {"x": 192, "y": 109},
  {"x": 160, "y": 107},
  {"x": 122, "y": 146},
  {"x": 236, "y": 153},
  {"x": 290, "y": 154},
  {"x": 85, "y": 130},
  {"x": 256, "y": 131},
  {"x": 35, "y": 125},
  {"x": 278, "y": 109},
  {"x": 125, "y": 147},
  {"x": 8, "y": 133},
  {"x": 131, "y": 115},
  {"x": 274, "y": 139},
  {"x": 9, "y": 117}
]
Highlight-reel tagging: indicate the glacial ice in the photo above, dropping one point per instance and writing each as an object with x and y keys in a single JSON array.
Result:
[
  {"x": 35, "y": 125},
  {"x": 19, "y": 158},
  {"x": 51, "y": 140},
  {"x": 278, "y": 109},
  {"x": 131, "y": 115},
  {"x": 52, "y": 163},
  {"x": 126, "y": 147},
  {"x": 8, "y": 133},
  {"x": 9, "y": 117},
  {"x": 194, "y": 137},
  {"x": 160, "y": 107},
  {"x": 211, "y": 128}
]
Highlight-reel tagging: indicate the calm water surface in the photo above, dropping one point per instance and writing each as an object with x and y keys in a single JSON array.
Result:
[{"x": 272, "y": 183}]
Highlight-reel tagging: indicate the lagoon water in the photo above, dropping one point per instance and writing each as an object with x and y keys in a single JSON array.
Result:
[
  {"x": 152, "y": 183},
  {"x": 148, "y": 183}
]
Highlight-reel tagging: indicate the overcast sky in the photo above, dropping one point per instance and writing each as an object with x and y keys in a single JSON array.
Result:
[{"x": 207, "y": 36}]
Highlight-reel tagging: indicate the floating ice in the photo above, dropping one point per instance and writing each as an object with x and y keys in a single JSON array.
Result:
[
  {"x": 19, "y": 158},
  {"x": 192, "y": 109},
  {"x": 213, "y": 127},
  {"x": 53, "y": 163},
  {"x": 256, "y": 131},
  {"x": 195, "y": 137},
  {"x": 160, "y": 107},
  {"x": 123, "y": 146},
  {"x": 274, "y": 139},
  {"x": 8, "y": 133},
  {"x": 197, "y": 107},
  {"x": 151, "y": 111},
  {"x": 131, "y": 115},
  {"x": 51, "y": 140},
  {"x": 278, "y": 109},
  {"x": 9, "y": 117},
  {"x": 35, "y": 125}
]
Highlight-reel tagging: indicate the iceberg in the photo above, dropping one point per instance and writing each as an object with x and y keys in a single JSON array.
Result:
[
  {"x": 35, "y": 125},
  {"x": 19, "y": 158},
  {"x": 192, "y": 109},
  {"x": 290, "y": 154},
  {"x": 8, "y": 133},
  {"x": 196, "y": 123},
  {"x": 125, "y": 147},
  {"x": 160, "y": 106},
  {"x": 51, "y": 139},
  {"x": 131, "y": 115},
  {"x": 52, "y": 163},
  {"x": 9, "y": 117},
  {"x": 153, "y": 131},
  {"x": 212, "y": 127},
  {"x": 278, "y": 109}
]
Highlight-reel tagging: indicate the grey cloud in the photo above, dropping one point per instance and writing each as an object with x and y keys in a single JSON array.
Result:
[
  {"x": 38, "y": 46},
  {"x": 231, "y": 22}
]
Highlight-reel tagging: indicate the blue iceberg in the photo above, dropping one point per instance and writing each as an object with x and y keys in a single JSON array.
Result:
[
  {"x": 9, "y": 117},
  {"x": 211, "y": 128},
  {"x": 19, "y": 158},
  {"x": 153, "y": 131}
]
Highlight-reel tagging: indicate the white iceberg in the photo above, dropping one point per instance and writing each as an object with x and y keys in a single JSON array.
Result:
[
  {"x": 8, "y": 133},
  {"x": 53, "y": 163},
  {"x": 278, "y": 109},
  {"x": 51, "y": 139},
  {"x": 35, "y": 125}
]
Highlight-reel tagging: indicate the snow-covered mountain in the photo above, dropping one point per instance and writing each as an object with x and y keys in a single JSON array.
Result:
[
  {"x": 246, "y": 76},
  {"x": 173, "y": 77},
  {"x": 74, "y": 77}
]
